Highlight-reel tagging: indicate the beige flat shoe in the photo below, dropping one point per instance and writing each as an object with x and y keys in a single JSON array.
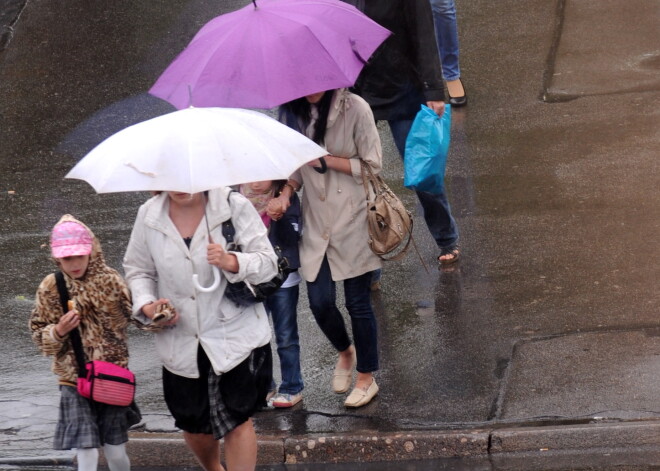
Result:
[
  {"x": 360, "y": 397},
  {"x": 342, "y": 378}
]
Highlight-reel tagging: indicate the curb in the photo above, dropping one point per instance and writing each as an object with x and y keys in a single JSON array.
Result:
[
  {"x": 577, "y": 437},
  {"x": 169, "y": 449},
  {"x": 556, "y": 442},
  {"x": 146, "y": 450}
]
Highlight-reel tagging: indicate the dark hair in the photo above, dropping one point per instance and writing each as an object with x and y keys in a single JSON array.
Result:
[{"x": 297, "y": 114}]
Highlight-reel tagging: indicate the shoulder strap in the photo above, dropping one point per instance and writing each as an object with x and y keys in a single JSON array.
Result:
[
  {"x": 61, "y": 289},
  {"x": 368, "y": 177},
  {"x": 228, "y": 230},
  {"x": 74, "y": 335}
]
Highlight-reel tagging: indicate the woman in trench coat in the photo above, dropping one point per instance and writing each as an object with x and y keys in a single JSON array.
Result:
[{"x": 334, "y": 244}]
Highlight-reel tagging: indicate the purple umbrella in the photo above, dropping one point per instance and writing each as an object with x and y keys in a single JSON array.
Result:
[{"x": 269, "y": 53}]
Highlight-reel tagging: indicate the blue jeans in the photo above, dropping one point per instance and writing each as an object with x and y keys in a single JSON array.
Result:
[
  {"x": 323, "y": 303},
  {"x": 282, "y": 306},
  {"x": 437, "y": 212},
  {"x": 446, "y": 32}
]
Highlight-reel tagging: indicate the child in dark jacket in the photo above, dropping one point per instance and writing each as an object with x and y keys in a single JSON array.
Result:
[{"x": 284, "y": 234}]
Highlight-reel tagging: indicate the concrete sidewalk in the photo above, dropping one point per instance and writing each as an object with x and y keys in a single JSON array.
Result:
[{"x": 543, "y": 341}]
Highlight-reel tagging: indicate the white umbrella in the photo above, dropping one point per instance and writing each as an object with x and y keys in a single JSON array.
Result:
[
  {"x": 196, "y": 149},
  {"x": 193, "y": 150}
]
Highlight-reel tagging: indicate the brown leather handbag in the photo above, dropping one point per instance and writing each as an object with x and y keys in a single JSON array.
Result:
[{"x": 390, "y": 224}]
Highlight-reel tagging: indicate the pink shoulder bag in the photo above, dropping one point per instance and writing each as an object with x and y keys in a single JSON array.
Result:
[{"x": 98, "y": 380}]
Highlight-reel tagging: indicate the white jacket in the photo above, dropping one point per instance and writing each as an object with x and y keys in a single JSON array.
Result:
[{"x": 158, "y": 264}]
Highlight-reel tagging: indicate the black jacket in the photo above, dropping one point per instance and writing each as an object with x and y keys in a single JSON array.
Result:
[
  {"x": 405, "y": 71},
  {"x": 286, "y": 232}
]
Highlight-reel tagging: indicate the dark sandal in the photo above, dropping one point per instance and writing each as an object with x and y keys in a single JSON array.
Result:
[{"x": 455, "y": 253}]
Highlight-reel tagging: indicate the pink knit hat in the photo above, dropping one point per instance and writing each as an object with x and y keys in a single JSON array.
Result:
[{"x": 69, "y": 239}]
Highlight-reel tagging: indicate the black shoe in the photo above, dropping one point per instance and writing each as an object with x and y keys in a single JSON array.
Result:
[{"x": 458, "y": 101}]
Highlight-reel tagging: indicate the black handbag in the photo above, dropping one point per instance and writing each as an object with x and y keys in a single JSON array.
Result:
[{"x": 243, "y": 293}]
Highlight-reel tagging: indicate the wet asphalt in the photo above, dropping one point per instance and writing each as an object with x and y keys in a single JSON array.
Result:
[{"x": 548, "y": 323}]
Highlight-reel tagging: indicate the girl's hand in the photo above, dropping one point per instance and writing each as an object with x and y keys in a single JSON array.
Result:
[
  {"x": 218, "y": 256},
  {"x": 67, "y": 323},
  {"x": 278, "y": 206}
]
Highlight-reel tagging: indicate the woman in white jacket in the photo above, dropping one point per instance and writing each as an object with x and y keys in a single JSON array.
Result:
[{"x": 211, "y": 344}]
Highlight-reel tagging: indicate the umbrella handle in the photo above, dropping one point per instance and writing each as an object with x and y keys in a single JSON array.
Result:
[{"x": 213, "y": 287}]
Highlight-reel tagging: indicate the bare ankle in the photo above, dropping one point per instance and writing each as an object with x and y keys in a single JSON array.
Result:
[
  {"x": 346, "y": 357},
  {"x": 364, "y": 380}
]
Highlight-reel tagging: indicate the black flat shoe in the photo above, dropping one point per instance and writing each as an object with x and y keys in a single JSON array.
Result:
[{"x": 458, "y": 101}]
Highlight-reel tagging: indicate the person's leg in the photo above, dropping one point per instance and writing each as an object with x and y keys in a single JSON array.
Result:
[
  {"x": 283, "y": 309},
  {"x": 376, "y": 276},
  {"x": 88, "y": 459},
  {"x": 446, "y": 31},
  {"x": 241, "y": 448},
  {"x": 188, "y": 401},
  {"x": 437, "y": 212},
  {"x": 322, "y": 301},
  {"x": 117, "y": 457},
  {"x": 363, "y": 322},
  {"x": 206, "y": 449}
]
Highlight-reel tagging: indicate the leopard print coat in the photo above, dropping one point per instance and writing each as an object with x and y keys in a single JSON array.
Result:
[{"x": 104, "y": 303}]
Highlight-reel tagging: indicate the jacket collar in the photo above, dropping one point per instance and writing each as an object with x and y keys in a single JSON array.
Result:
[{"x": 339, "y": 105}]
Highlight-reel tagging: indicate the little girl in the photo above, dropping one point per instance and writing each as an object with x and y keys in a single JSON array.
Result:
[
  {"x": 282, "y": 305},
  {"x": 101, "y": 312}
]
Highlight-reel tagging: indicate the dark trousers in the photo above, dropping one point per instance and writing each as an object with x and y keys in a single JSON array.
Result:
[{"x": 323, "y": 303}]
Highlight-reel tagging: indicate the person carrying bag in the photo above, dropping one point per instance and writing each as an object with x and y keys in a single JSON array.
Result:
[
  {"x": 99, "y": 315},
  {"x": 98, "y": 380}
]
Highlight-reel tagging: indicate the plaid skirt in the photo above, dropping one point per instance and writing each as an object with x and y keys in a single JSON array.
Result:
[
  {"x": 87, "y": 424},
  {"x": 217, "y": 404}
]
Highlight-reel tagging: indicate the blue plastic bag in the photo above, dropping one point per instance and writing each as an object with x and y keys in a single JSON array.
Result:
[{"x": 427, "y": 146}]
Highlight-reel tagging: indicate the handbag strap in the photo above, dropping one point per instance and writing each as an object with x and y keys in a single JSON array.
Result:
[
  {"x": 369, "y": 177},
  {"x": 74, "y": 335},
  {"x": 228, "y": 230}
]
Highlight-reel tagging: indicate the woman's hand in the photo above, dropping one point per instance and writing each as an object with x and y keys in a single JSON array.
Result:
[
  {"x": 150, "y": 309},
  {"x": 437, "y": 106},
  {"x": 67, "y": 323},
  {"x": 216, "y": 255}
]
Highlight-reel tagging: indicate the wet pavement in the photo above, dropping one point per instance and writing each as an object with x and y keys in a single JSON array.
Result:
[{"x": 545, "y": 337}]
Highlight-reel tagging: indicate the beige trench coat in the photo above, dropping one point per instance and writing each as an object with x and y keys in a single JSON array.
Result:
[{"x": 334, "y": 204}]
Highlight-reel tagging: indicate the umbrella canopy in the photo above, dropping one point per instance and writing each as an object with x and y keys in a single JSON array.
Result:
[
  {"x": 194, "y": 150},
  {"x": 270, "y": 53}
]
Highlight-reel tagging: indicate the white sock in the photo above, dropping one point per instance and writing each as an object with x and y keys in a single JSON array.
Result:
[
  {"x": 88, "y": 459},
  {"x": 117, "y": 457}
]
